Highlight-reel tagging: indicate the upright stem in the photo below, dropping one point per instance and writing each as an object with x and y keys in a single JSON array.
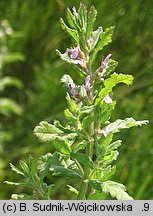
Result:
[
  {"x": 89, "y": 152},
  {"x": 84, "y": 184}
]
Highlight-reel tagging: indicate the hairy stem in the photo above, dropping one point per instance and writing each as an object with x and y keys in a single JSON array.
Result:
[
  {"x": 84, "y": 184},
  {"x": 89, "y": 152}
]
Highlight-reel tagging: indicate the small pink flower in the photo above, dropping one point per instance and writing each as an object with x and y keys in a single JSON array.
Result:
[
  {"x": 104, "y": 63},
  {"x": 105, "y": 132},
  {"x": 87, "y": 84},
  {"x": 74, "y": 52},
  {"x": 75, "y": 56},
  {"x": 108, "y": 99},
  {"x": 73, "y": 91}
]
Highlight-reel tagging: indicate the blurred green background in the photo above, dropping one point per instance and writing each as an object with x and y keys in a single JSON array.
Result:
[{"x": 30, "y": 90}]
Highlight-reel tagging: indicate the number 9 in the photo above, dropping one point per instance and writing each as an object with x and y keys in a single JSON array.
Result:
[{"x": 146, "y": 206}]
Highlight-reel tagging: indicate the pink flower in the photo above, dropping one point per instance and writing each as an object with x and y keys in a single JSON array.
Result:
[
  {"x": 76, "y": 56},
  {"x": 87, "y": 84},
  {"x": 73, "y": 90},
  {"x": 105, "y": 132},
  {"x": 104, "y": 63},
  {"x": 108, "y": 99},
  {"x": 74, "y": 52}
]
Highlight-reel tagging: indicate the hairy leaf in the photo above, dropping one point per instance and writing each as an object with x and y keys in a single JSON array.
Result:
[
  {"x": 24, "y": 166},
  {"x": 82, "y": 16},
  {"x": 70, "y": 116},
  {"x": 67, "y": 80},
  {"x": 111, "y": 82},
  {"x": 105, "y": 38},
  {"x": 121, "y": 124},
  {"x": 114, "y": 145},
  {"x": 108, "y": 158},
  {"x": 67, "y": 59},
  {"x": 62, "y": 146},
  {"x": 64, "y": 167},
  {"x": 79, "y": 146},
  {"x": 87, "y": 109},
  {"x": 15, "y": 169},
  {"x": 44, "y": 164},
  {"x": 94, "y": 38},
  {"x": 72, "y": 32},
  {"x": 90, "y": 21},
  {"x": 110, "y": 67},
  {"x": 70, "y": 18},
  {"x": 83, "y": 159},
  {"x": 72, "y": 104},
  {"x": 21, "y": 197},
  {"x": 87, "y": 121},
  {"x": 72, "y": 189},
  {"x": 116, "y": 190},
  {"x": 48, "y": 132},
  {"x": 105, "y": 111}
]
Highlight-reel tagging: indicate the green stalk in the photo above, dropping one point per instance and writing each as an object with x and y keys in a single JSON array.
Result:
[
  {"x": 84, "y": 184},
  {"x": 89, "y": 152}
]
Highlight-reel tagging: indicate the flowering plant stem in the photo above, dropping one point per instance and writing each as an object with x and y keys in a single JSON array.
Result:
[{"x": 85, "y": 150}]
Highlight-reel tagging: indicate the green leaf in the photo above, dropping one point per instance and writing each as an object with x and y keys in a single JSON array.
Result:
[
  {"x": 8, "y": 106},
  {"x": 82, "y": 91},
  {"x": 90, "y": 20},
  {"x": 103, "y": 144},
  {"x": 70, "y": 18},
  {"x": 108, "y": 159},
  {"x": 127, "y": 123},
  {"x": 70, "y": 116},
  {"x": 96, "y": 184},
  {"x": 49, "y": 191},
  {"x": 108, "y": 172},
  {"x": 62, "y": 146},
  {"x": 67, "y": 59},
  {"x": 114, "y": 145},
  {"x": 72, "y": 189},
  {"x": 105, "y": 38},
  {"x": 67, "y": 80},
  {"x": 22, "y": 197},
  {"x": 48, "y": 132},
  {"x": 66, "y": 129},
  {"x": 116, "y": 190},
  {"x": 15, "y": 169},
  {"x": 87, "y": 121},
  {"x": 44, "y": 164},
  {"x": 24, "y": 166},
  {"x": 106, "y": 111},
  {"x": 64, "y": 167},
  {"x": 15, "y": 183},
  {"x": 71, "y": 104},
  {"x": 94, "y": 38},
  {"x": 97, "y": 196},
  {"x": 87, "y": 109},
  {"x": 82, "y": 16},
  {"x": 10, "y": 81},
  {"x": 72, "y": 32},
  {"x": 79, "y": 146},
  {"x": 32, "y": 167},
  {"x": 75, "y": 19},
  {"x": 14, "y": 57},
  {"x": 110, "y": 67},
  {"x": 111, "y": 82},
  {"x": 83, "y": 159}
]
